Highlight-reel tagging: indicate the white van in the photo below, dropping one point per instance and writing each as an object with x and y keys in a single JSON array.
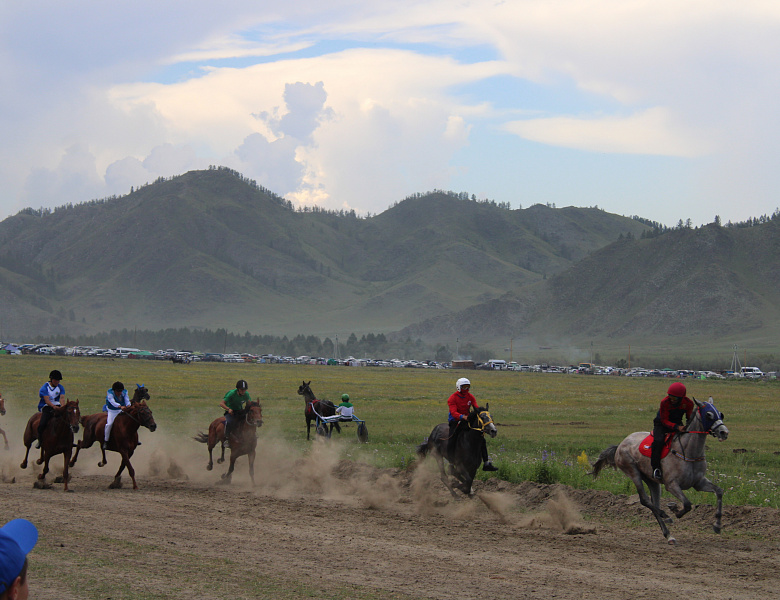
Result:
[{"x": 751, "y": 373}]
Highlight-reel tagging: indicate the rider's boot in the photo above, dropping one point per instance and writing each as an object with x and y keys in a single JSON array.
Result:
[{"x": 488, "y": 466}]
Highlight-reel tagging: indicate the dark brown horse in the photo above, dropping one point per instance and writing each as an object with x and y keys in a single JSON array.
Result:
[
  {"x": 2, "y": 412},
  {"x": 314, "y": 407},
  {"x": 124, "y": 435},
  {"x": 468, "y": 449},
  {"x": 243, "y": 438},
  {"x": 57, "y": 438}
]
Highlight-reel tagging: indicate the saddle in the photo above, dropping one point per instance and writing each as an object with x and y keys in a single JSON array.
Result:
[{"x": 645, "y": 446}]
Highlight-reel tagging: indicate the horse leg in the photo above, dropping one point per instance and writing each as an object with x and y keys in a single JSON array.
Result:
[
  {"x": 251, "y": 456},
  {"x": 308, "y": 428},
  {"x": 211, "y": 459},
  {"x": 444, "y": 477},
  {"x": 75, "y": 455},
  {"x": 705, "y": 485},
  {"x": 654, "y": 504},
  {"x": 227, "y": 477},
  {"x": 676, "y": 491},
  {"x": 221, "y": 458},
  {"x": 24, "y": 462},
  {"x": 5, "y": 437},
  {"x": 65, "y": 476}
]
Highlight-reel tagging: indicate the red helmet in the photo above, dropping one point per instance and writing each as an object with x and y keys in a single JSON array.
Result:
[{"x": 677, "y": 389}]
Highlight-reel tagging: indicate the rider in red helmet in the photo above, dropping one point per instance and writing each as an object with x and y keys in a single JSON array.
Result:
[{"x": 668, "y": 420}]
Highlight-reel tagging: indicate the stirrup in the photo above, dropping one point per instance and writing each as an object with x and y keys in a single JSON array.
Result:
[
  {"x": 37, "y": 444},
  {"x": 658, "y": 475}
]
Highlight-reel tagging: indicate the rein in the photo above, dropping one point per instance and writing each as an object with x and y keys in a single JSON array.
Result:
[{"x": 482, "y": 423}]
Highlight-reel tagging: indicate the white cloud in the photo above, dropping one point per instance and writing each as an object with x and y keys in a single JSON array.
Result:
[
  {"x": 103, "y": 93},
  {"x": 648, "y": 132}
]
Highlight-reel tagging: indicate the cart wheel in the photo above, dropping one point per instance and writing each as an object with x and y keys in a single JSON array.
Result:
[
  {"x": 362, "y": 433},
  {"x": 322, "y": 430}
]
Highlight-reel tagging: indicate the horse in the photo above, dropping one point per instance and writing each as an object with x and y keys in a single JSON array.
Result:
[
  {"x": 683, "y": 468},
  {"x": 123, "y": 438},
  {"x": 243, "y": 438},
  {"x": 57, "y": 438},
  {"x": 2, "y": 412},
  {"x": 468, "y": 449},
  {"x": 324, "y": 408}
]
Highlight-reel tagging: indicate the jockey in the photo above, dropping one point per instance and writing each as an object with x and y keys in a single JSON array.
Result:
[
  {"x": 345, "y": 409},
  {"x": 459, "y": 404},
  {"x": 117, "y": 401},
  {"x": 49, "y": 396},
  {"x": 233, "y": 401},
  {"x": 668, "y": 420}
]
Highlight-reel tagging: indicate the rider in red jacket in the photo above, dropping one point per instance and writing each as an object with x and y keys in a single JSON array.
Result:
[
  {"x": 674, "y": 407},
  {"x": 459, "y": 404}
]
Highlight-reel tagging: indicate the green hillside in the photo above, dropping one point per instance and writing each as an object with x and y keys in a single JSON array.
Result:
[{"x": 212, "y": 249}]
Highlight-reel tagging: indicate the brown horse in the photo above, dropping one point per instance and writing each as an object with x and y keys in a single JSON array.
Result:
[
  {"x": 123, "y": 439},
  {"x": 314, "y": 407},
  {"x": 2, "y": 412},
  {"x": 57, "y": 438},
  {"x": 243, "y": 438}
]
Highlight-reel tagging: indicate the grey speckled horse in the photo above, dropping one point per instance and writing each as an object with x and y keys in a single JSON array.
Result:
[{"x": 683, "y": 468}]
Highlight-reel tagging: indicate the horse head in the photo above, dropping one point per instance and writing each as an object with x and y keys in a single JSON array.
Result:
[
  {"x": 483, "y": 421},
  {"x": 144, "y": 415},
  {"x": 711, "y": 419},
  {"x": 305, "y": 390},
  {"x": 70, "y": 410},
  {"x": 140, "y": 393},
  {"x": 254, "y": 413}
]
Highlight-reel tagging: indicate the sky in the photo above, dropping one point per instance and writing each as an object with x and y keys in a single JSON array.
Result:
[{"x": 663, "y": 109}]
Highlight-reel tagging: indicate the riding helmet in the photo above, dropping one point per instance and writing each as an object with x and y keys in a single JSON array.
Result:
[
  {"x": 242, "y": 385},
  {"x": 345, "y": 397},
  {"x": 55, "y": 374},
  {"x": 677, "y": 389},
  {"x": 461, "y": 382},
  {"x": 118, "y": 386}
]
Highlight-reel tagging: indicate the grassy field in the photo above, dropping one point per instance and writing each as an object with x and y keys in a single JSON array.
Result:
[{"x": 550, "y": 425}]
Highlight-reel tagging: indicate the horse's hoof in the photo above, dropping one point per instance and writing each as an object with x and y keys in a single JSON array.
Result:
[
  {"x": 209, "y": 467},
  {"x": 115, "y": 485},
  {"x": 220, "y": 461},
  {"x": 101, "y": 464},
  {"x": 59, "y": 479},
  {"x": 671, "y": 541},
  {"x": 39, "y": 461},
  {"x": 41, "y": 485},
  {"x": 716, "y": 528},
  {"x": 23, "y": 465},
  {"x": 69, "y": 491}
]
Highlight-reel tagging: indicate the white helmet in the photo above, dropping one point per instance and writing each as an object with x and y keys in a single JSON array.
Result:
[{"x": 461, "y": 382}]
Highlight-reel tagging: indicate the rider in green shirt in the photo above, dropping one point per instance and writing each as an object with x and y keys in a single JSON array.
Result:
[{"x": 234, "y": 401}]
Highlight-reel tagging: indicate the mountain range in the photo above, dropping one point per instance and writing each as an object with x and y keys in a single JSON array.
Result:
[{"x": 211, "y": 249}]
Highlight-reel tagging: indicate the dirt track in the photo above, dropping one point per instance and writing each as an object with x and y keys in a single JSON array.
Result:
[{"x": 324, "y": 527}]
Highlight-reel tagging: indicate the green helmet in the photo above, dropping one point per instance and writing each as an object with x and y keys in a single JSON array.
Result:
[{"x": 345, "y": 397}]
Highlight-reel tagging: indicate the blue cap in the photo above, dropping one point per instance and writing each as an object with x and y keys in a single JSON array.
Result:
[{"x": 17, "y": 538}]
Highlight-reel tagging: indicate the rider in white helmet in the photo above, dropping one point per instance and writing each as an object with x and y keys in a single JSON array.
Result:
[{"x": 459, "y": 404}]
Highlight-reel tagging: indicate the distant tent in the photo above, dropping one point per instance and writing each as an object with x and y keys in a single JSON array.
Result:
[
  {"x": 141, "y": 354},
  {"x": 11, "y": 349}
]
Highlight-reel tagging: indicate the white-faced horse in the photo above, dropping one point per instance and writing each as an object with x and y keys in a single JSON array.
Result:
[{"x": 683, "y": 468}]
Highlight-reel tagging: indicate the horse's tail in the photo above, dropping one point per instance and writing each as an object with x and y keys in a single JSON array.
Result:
[
  {"x": 423, "y": 449},
  {"x": 201, "y": 437},
  {"x": 606, "y": 459}
]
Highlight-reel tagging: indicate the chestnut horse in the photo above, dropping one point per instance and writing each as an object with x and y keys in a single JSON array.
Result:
[
  {"x": 57, "y": 438},
  {"x": 124, "y": 434},
  {"x": 324, "y": 408},
  {"x": 2, "y": 412},
  {"x": 243, "y": 438}
]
